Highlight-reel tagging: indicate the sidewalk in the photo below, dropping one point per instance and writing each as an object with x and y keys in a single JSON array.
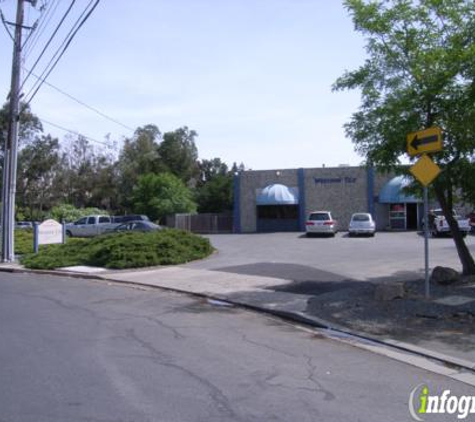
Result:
[{"x": 442, "y": 328}]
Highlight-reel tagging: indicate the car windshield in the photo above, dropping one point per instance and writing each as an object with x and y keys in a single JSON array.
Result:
[
  {"x": 360, "y": 217},
  {"x": 319, "y": 216}
]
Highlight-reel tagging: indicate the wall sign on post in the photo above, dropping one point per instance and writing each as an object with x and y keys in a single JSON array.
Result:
[{"x": 47, "y": 233}]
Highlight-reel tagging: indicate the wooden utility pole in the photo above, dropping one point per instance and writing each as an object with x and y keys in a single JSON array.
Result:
[{"x": 11, "y": 145}]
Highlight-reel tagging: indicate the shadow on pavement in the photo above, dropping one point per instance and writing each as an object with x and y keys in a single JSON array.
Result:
[
  {"x": 287, "y": 271},
  {"x": 446, "y": 328}
]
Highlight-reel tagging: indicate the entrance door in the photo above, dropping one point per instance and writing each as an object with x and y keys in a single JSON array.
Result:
[
  {"x": 397, "y": 216},
  {"x": 411, "y": 216}
]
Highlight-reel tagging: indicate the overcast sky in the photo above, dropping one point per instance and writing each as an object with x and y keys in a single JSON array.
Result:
[{"x": 252, "y": 77}]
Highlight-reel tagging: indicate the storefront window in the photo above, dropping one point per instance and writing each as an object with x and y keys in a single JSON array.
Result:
[{"x": 397, "y": 216}]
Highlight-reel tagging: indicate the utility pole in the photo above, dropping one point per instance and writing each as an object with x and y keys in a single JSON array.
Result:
[{"x": 11, "y": 145}]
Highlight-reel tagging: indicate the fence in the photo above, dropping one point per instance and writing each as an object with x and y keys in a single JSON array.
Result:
[{"x": 202, "y": 223}]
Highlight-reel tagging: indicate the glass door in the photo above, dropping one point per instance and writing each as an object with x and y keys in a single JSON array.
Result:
[{"x": 397, "y": 216}]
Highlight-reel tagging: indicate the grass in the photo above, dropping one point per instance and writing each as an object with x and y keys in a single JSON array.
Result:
[{"x": 123, "y": 250}]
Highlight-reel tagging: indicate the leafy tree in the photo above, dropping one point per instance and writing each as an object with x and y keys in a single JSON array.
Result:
[
  {"x": 139, "y": 156},
  {"x": 214, "y": 190},
  {"x": 216, "y": 195},
  {"x": 179, "y": 155},
  {"x": 211, "y": 168},
  {"x": 159, "y": 195},
  {"x": 419, "y": 73},
  {"x": 30, "y": 126},
  {"x": 38, "y": 166},
  {"x": 68, "y": 212}
]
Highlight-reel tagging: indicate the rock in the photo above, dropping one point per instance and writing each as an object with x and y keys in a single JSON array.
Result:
[
  {"x": 444, "y": 276},
  {"x": 387, "y": 292}
]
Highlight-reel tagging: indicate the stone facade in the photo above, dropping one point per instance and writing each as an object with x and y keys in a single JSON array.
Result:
[
  {"x": 341, "y": 190},
  {"x": 250, "y": 183}
]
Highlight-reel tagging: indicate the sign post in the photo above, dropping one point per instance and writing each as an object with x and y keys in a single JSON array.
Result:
[{"x": 425, "y": 171}]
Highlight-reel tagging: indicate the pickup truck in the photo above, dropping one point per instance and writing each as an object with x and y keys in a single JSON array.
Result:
[
  {"x": 90, "y": 226},
  {"x": 438, "y": 224}
]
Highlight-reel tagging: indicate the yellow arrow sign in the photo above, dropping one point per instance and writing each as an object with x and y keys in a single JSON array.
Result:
[
  {"x": 428, "y": 140},
  {"x": 425, "y": 170}
]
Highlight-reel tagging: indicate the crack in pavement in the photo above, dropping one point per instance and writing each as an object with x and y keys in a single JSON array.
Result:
[{"x": 222, "y": 404}]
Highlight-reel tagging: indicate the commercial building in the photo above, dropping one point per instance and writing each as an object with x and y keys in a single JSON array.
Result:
[{"x": 280, "y": 200}]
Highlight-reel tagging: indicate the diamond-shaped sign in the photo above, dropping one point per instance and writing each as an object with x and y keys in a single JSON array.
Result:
[{"x": 425, "y": 170}]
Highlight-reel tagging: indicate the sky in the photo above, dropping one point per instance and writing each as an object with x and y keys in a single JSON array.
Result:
[{"x": 252, "y": 77}]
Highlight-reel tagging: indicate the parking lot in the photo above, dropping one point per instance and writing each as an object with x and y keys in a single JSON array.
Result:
[{"x": 293, "y": 256}]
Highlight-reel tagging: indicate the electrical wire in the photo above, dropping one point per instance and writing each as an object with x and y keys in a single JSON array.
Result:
[
  {"x": 44, "y": 20},
  {"x": 66, "y": 44},
  {"x": 95, "y": 110},
  {"x": 58, "y": 26},
  {"x": 5, "y": 25},
  {"x": 73, "y": 132},
  {"x": 34, "y": 26}
]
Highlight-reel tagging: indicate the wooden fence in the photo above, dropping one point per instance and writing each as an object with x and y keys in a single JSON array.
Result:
[{"x": 202, "y": 223}]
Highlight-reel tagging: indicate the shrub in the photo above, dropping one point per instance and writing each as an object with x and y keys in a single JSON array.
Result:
[{"x": 124, "y": 250}]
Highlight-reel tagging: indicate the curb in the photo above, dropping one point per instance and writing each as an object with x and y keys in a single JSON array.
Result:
[{"x": 334, "y": 330}]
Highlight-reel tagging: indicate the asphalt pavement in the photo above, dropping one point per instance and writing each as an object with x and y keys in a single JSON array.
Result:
[
  {"x": 76, "y": 350},
  {"x": 330, "y": 283}
]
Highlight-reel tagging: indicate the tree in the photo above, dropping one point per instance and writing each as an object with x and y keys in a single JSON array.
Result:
[
  {"x": 37, "y": 169},
  {"x": 211, "y": 168},
  {"x": 216, "y": 195},
  {"x": 179, "y": 155},
  {"x": 419, "y": 72},
  {"x": 159, "y": 195},
  {"x": 139, "y": 156},
  {"x": 214, "y": 190}
]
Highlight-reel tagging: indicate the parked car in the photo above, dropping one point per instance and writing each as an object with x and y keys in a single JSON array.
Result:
[
  {"x": 24, "y": 225},
  {"x": 471, "y": 218},
  {"x": 321, "y": 222},
  {"x": 141, "y": 226},
  {"x": 361, "y": 223},
  {"x": 438, "y": 225},
  {"x": 127, "y": 218},
  {"x": 90, "y": 226}
]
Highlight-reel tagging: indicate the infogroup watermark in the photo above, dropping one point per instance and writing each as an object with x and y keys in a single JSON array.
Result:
[{"x": 423, "y": 403}]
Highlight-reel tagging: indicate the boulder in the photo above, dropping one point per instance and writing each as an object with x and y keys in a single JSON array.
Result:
[
  {"x": 444, "y": 276},
  {"x": 387, "y": 292}
]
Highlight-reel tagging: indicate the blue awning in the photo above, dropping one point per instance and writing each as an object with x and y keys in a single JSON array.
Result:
[
  {"x": 392, "y": 192},
  {"x": 277, "y": 194}
]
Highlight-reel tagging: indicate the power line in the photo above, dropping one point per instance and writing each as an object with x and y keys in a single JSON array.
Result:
[
  {"x": 95, "y": 110},
  {"x": 73, "y": 132},
  {"x": 49, "y": 41},
  {"x": 5, "y": 25},
  {"x": 66, "y": 44},
  {"x": 44, "y": 19}
]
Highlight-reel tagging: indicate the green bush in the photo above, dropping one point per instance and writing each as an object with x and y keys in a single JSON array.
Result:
[
  {"x": 123, "y": 250},
  {"x": 23, "y": 241}
]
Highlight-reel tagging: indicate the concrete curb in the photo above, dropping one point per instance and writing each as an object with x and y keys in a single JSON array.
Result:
[{"x": 334, "y": 330}]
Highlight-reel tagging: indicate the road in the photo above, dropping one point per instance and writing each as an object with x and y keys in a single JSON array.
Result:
[{"x": 83, "y": 350}]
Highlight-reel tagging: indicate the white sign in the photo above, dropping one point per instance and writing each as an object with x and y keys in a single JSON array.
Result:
[{"x": 50, "y": 231}]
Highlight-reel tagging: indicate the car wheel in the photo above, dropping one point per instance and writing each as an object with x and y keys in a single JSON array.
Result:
[
  {"x": 68, "y": 233},
  {"x": 434, "y": 233}
]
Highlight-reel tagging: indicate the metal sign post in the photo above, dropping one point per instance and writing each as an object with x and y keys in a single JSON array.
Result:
[
  {"x": 426, "y": 241},
  {"x": 425, "y": 171}
]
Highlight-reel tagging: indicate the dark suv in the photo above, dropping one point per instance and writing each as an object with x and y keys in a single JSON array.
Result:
[{"x": 127, "y": 218}]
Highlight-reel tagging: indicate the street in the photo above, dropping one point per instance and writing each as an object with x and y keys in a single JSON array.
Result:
[{"x": 85, "y": 350}]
